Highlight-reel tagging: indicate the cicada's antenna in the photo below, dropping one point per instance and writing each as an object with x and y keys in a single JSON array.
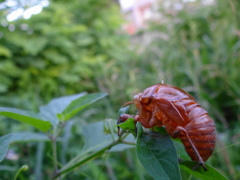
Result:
[{"x": 127, "y": 103}]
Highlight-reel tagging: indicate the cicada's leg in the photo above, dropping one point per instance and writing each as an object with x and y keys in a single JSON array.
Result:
[{"x": 181, "y": 131}]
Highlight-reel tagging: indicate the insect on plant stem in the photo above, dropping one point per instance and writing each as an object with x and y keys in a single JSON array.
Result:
[{"x": 169, "y": 106}]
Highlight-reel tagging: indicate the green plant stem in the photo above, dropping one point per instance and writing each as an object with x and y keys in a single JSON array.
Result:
[
  {"x": 23, "y": 168},
  {"x": 54, "y": 148},
  {"x": 56, "y": 132},
  {"x": 92, "y": 156},
  {"x": 128, "y": 143}
]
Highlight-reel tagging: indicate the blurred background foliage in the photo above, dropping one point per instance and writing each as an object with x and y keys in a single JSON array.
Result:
[
  {"x": 79, "y": 46},
  {"x": 60, "y": 51}
]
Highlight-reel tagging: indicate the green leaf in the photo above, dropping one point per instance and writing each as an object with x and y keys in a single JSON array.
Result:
[
  {"x": 210, "y": 174},
  {"x": 31, "y": 44},
  {"x": 123, "y": 110},
  {"x": 28, "y": 137},
  {"x": 4, "y": 143},
  {"x": 157, "y": 154},
  {"x": 7, "y": 168},
  {"x": 95, "y": 138},
  {"x": 19, "y": 137},
  {"x": 56, "y": 106},
  {"x": 27, "y": 117},
  {"x": 129, "y": 125},
  {"x": 161, "y": 130},
  {"x": 80, "y": 103}
]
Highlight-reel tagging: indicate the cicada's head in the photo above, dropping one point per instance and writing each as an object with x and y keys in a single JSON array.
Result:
[
  {"x": 123, "y": 117},
  {"x": 137, "y": 100}
]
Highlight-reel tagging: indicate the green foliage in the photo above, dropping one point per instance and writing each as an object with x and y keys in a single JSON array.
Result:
[
  {"x": 211, "y": 174},
  {"x": 4, "y": 143},
  {"x": 28, "y": 137},
  {"x": 128, "y": 125},
  {"x": 69, "y": 106},
  {"x": 23, "y": 168},
  {"x": 79, "y": 104},
  {"x": 53, "y": 111},
  {"x": 96, "y": 144},
  {"x": 60, "y": 51},
  {"x": 26, "y": 117},
  {"x": 123, "y": 110},
  {"x": 48, "y": 116},
  {"x": 157, "y": 154}
]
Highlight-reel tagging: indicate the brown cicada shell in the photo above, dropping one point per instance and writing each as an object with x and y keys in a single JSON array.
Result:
[{"x": 172, "y": 107}]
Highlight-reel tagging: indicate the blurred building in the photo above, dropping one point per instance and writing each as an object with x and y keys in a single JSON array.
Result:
[{"x": 138, "y": 12}]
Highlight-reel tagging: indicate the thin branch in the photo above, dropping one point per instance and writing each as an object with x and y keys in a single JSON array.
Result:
[
  {"x": 94, "y": 155},
  {"x": 128, "y": 143}
]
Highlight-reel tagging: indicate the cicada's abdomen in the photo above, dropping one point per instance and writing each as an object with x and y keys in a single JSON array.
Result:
[{"x": 201, "y": 130}]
